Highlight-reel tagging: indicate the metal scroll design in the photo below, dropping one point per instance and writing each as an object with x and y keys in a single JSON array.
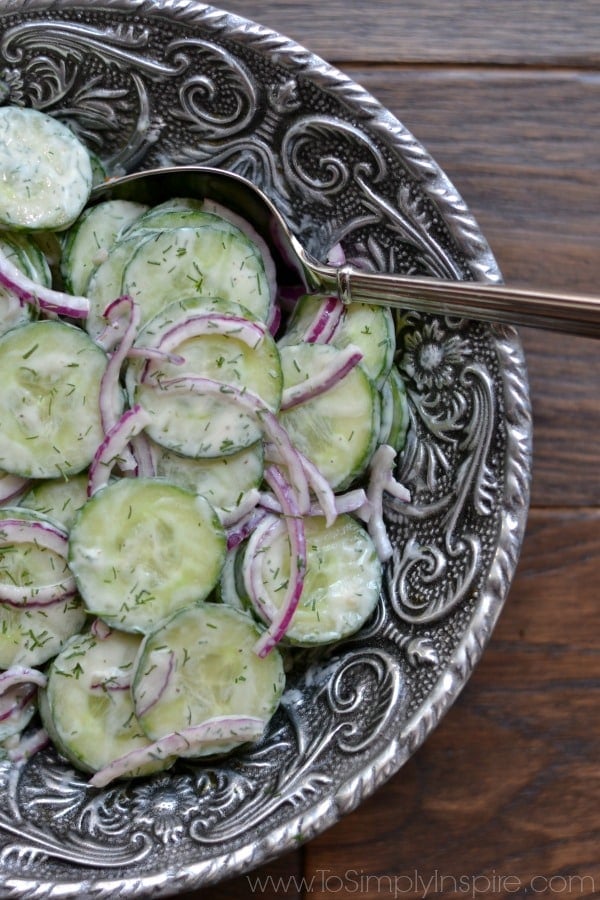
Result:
[
  {"x": 343, "y": 708},
  {"x": 451, "y": 460},
  {"x": 200, "y": 102}
]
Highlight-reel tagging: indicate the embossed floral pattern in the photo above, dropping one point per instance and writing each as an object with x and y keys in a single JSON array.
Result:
[
  {"x": 431, "y": 357},
  {"x": 164, "y": 805}
]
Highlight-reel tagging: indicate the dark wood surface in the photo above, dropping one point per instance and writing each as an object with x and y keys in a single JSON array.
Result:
[{"x": 503, "y": 800}]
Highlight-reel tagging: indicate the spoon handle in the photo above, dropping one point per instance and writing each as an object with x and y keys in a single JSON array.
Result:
[{"x": 570, "y": 313}]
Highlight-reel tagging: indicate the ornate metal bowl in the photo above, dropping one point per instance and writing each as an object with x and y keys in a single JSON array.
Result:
[{"x": 167, "y": 82}]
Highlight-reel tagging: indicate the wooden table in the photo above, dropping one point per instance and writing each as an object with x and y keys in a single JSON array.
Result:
[{"x": 505, "y": 794}]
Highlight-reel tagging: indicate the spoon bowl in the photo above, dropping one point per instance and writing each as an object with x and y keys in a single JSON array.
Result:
[{"x": 565, "y": 312}]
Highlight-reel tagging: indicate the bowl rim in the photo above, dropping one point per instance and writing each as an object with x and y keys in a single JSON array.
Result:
[{"x": 482, "y": 266}]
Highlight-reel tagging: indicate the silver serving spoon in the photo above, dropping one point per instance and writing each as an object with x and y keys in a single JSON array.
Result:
[{"x": 571, "y": 313}]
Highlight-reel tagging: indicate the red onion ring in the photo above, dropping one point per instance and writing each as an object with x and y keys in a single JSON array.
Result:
[
  {"x": 50, "y": 301},
  {"x": 131, "y": 423},
  {"x": 343, "y": 363},
  {"x": 295, "y": 526},
  {"x": 219, "y": 729}
]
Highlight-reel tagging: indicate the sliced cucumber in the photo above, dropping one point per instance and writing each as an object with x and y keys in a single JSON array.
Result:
[
  {"x": 212, "y": 671},
  {"x": 370, "y": 328},
  {"x": 46, "y": 171},
  {"x": 337, "y": 430},
  {"x": 142, "y": 548},
  {"x": 27, "y": 563},
  {"x": 32, "y": 636},
  {"x": 227, "y": 590},
  {"x": 209, "y": 260},
  {"x": 106, "y": 280},
  {"x": 177, "y": 214},
  {"x": 50, "y": 422},
  {"x": 173, "y": 205},
  {"x": 192, "y": 423},
  {"x": 91, "y": 239},
  {"x": 86, "y": 706},
  {"x": 224, "y": 480},
  {"x": 59, "y": 498},
  {"x": 12, "y": 311},
  {"x": 27, "y": 256},
  {"x": 395, "y": 413},
  {"x": 342, "y": 583}
]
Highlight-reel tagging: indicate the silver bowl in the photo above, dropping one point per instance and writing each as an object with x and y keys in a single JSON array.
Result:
[{"x": 147, "y": 84}]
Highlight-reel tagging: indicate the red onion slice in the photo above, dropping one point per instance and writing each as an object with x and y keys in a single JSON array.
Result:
[
  {"x": 143, "y": 453},
  {"x": 206, "y": 324},
  {"x": 381, "y": 479},
  {"x": 218, "y": 730},
  {"x": 100, "y": 629},
  {"x": 252, "y": 574},
  {"x": 33, "y": 597},
  {"x": 350, "y": 502},
  {"x": 131, "y": 423},
  {"x": 26, "y": 531},
  {"x": 246, "y": 505},
  {"x": 46, "y": 536},
  {"x": 28, "y": 746},
  {"x": 119, "y": 681},
  {"x": 50, "y": 301},
  {"x": 336, "y": 255},
  {"x": 11, "y": 486},
  {"x": 157, "y": 680},
  {"x": 343, "y": 363},
  {"x": 244, "y": 528},
  {"x": 18, "y": 675},
  {"x": 119, "y": 314},
  {"x": 322, "y": 490},
  {"x": 14, "y": 702},
  {"x": 123, "y": 316},
  {"x": 325, "y": 322},
  {"x": 295, "y": 526}
]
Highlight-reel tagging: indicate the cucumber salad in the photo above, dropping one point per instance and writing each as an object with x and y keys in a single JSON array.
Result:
[{"x": 192, "y": 467}]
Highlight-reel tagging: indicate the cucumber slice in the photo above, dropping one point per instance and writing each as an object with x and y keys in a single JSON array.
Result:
[
  {"x": 395, "y": 413},
  {"x": 89, "y": 242},
  {"x": 28, "y": 256},
  {"x": 134, "y": 551},
  {"x": 178, "y": 214},
  {"x": 209, "y": 260},
  {"x": 198, "y": 425},
  {"x": 12, "y": 312},
  {"x": 224, "y": 480},
  {"x": 86, "y": 707},
  {"x": 370, "y": 328},
  {"x": 200, "y": 664},
  {"x": 173, "y": 205},
  {"x": 30, "y": 637},
  {"x": 50, "y": 422},
  {"x": 342, "y": 583},
  {"x": 46, "y": 171},
  {"x": 339, "y": 429},
  {"x": 106, "y": 280},
  {"x": 227, "y": 590},
  {"x": 59, "y": 498}
]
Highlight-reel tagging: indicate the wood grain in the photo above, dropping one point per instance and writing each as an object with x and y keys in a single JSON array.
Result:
[
  {"x": 517, "y": 32},
  {"x": 508, "y": 782},
  {"x": 505, "y": 794}
]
